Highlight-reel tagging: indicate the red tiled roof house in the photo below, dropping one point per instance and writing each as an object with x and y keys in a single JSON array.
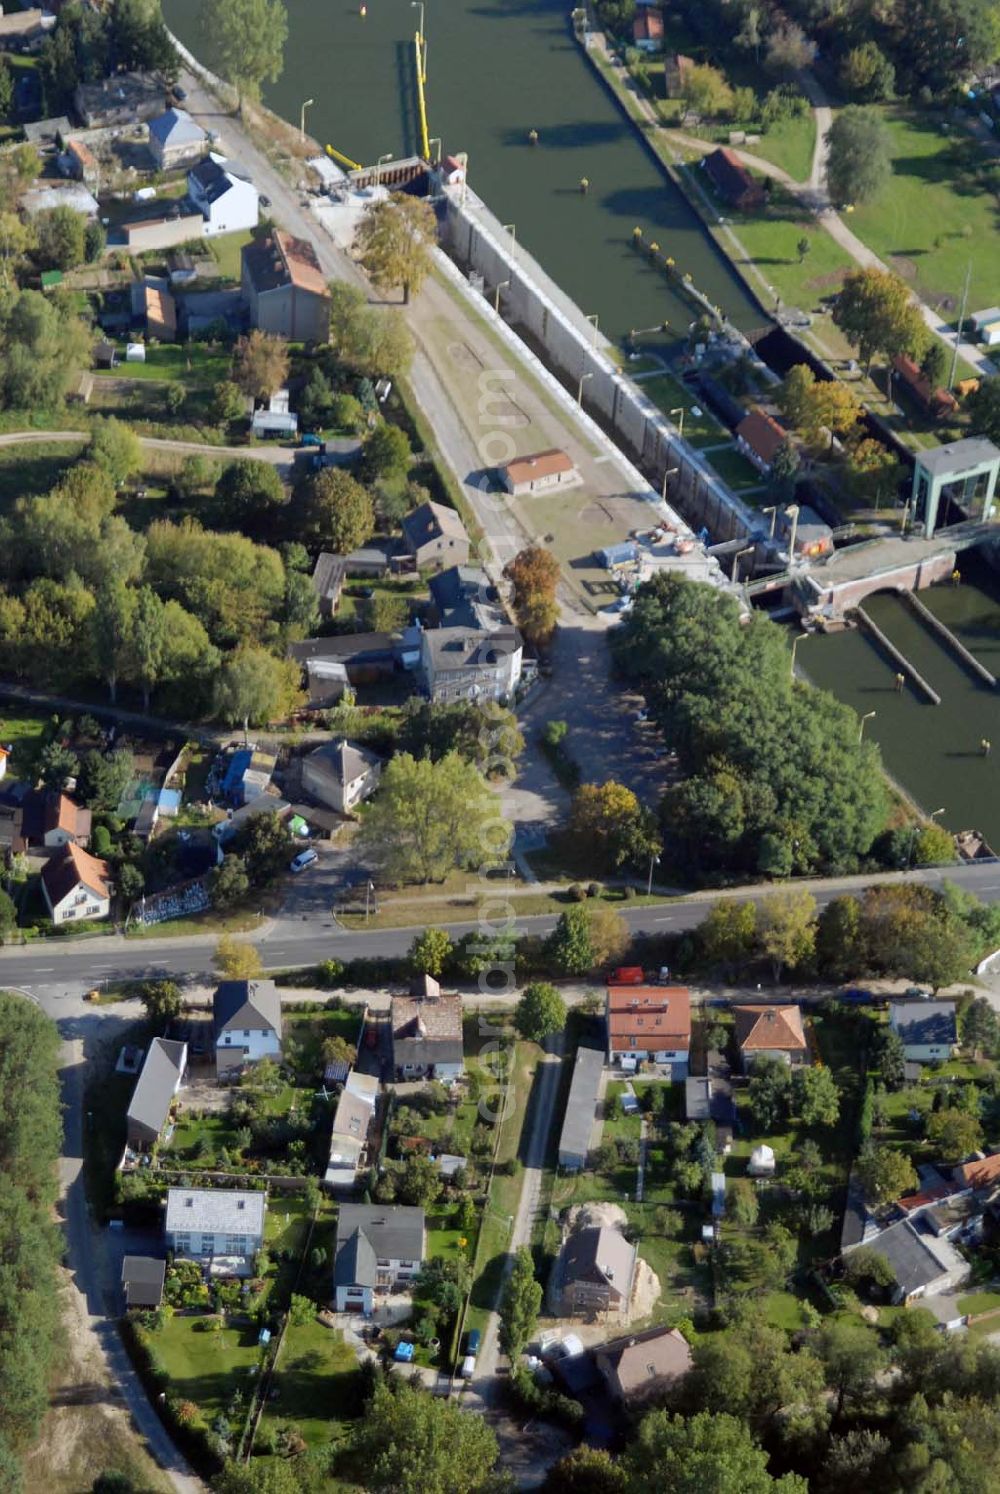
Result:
[
  {"x": 649, "y": 1023},
  {"x": 770, "y": 1032}
]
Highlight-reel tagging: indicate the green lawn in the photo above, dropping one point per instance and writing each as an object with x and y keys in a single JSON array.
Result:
[
  {"x": 208, "y": 1368},
  {"x": 23, "y": 734},
  {"x": 935, "y": 216},
  {"x": 226, "y": 252},
  {"x": 771, "y": 239},
  {"x": 684, "y": 1285},
  {"x": 671, "y": 394},
  {"x": 788, "y": 144},
  {"x": 976, "y": 1302},
  {"x": 734, "y": 468},
  {"x": 315, "y": 1383},
  {"x": 33, "y": 469},
  {"x": 195, "y": 365}
]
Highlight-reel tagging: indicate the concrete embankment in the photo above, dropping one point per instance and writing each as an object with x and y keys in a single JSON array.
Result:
[
  {"x": 898, "y": 658},
  {"x": 948, "y": 638}
]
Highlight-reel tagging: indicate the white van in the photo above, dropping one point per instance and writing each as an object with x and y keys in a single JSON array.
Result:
[{"x": 468, "y": 1366}]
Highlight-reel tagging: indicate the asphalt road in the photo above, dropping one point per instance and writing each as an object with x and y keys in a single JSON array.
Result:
[{"x": 286, "y": 943}]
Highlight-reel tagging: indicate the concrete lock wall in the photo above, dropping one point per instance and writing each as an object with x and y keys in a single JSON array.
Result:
[
  {"x": 917, "y": 576},
  {"x": 531, "y": 301}
]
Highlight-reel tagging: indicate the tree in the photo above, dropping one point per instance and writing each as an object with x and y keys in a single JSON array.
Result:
[
  {"x": 784, "y": 469},
  {"x": 266, "y": 845},
  {"x": 934, "y": 367},
  {"x": 867, "y": 74},
  {"x": 419, "y": 1183},
  {"x": 236, "y": 961},
  {"x": 852, "y": 1358},
  {"x": 889, "y": 1054},
  {"x": 980, "y": 1028},
  {"x": 728, "y": 934},
  {"x": 609, "y": 933},
  {"x": 331, "y": 510},
  {"x": 6, "y": 88},
  {"x": 769, "y": 1093},
  {"x": 162, "y": 1000},
  {"x": 540, "y": 1012},
  {"x": 261, "y": 359},
  {"x": 700, "y": 1453},
  {"x": 933, "y": 846},
  {"x": 56, "y": 763},
  {"x": 873, "y": 308},
  {"x": 816, "y": 1096},
  {"x": 786, "y": 929},
  {"x": 706, "y": 91},
  {"x": 886, "y": 1174},
  {"x": 803, "y": 247},
  {"x": 394, "y": 242},
  {"x": 60, "y": 238},
  {"x": 228, "y": 883},
  {"x": 611, "y": 827},
  {"x": 430, "y": 817},
  {"x": 519, "y": 1305},
  {"x": 585, "y": 1470},
  {"x": 983, "y": 405},
  {"x": 568, "y": 948},
  {"x": 115, "y": 449},
  {"x": 8, "y": 917},
  {"x": 104, "y": 777},
  {"x": 385, "y": 453},
  {"x": 249, "y": 496},
  {"x": 858, "y": 165},
  {"x": 839, "y": 948},
  {"x": 368, "y": 339},
  {"x": 246, "y": 39},
  {"x": 256, "y": 687},
  {"x": 44, "y": 344},
  {"x": 954, "y": 1133},
  {"x": 789, "y": 50},
  {"x": 147, "y": 642},
  {"x": 228, "y": 402},
  {"x": 110, "y": 632},
  {"x": 410, "y": 1442},
  {"x": 534, "y": 576},
  {"x": 430, "y": 952}
]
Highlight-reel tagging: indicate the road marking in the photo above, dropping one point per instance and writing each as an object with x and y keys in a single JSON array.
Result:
[{"x": 45, "y": 970}]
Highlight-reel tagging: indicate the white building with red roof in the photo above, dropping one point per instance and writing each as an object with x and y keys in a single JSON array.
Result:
[{"x": 649, "y": 1024}]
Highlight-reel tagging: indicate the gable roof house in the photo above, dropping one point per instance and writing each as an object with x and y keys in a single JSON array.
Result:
[
  {"x": 923, "y": 1263},
  {"x": 465, "y": 663},
  {"x": 285, "y": 288},
  {"x": 732, "y": 181},
  {"x": 435, "y": 535},
  {"x": 122, "y": 99},
  {"x": 160, "y": 1078},
  {"x": 537, "y": 473},
  {"x": 457, "y": 589},
  {"x": 649, "y": 1023},
  {"x": 247, "y": 1020},
  {"x": 142, "y": 1280},
  {"x": 647, "y": 29},
  {"x": 597, "y": 1267},
  {"x": 76, "y": 886},
  {"x": 225, "y": 197},
  {"x": 379, "y": 1248},
  {"x": 340, "y": 774},
  {"x": 328, "y": 577},
  {"x": 175, "y": 139},
  {"x": 759, "y": 436},
  {"x": 53, "y": 819},
  {"x": 644, "y": 1364},
  {"x": 427, "y": 1035},
  {"x": 770, "y": 1032},
  {"x": 352, "y": 1123},
  {"x": 928, "y": 1029},
  {"x": 581, "y": 1107},
  {"x": 79, "y": 162},
  {"x": 206, "y": 1222}
]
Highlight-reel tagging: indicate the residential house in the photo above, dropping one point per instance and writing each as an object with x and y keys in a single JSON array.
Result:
[
  {"x": 79, "y": 162},
  {"x": 142, "y": 1281},
  {"x": 247, "y": 1022},
  {"x": 159, "y": 312},
  {"x": 160, "y": 1077},
  {"x": 341, "y": 659},
  {"x": 277, "y": 420},
  {"x": 285, "y": 288},
  {"x": 225, "y": 829},
  {"x": 928, "y": 1029},
  {"x": 19, "y": 28},
  {"x": 12, "y": 837},
  {"x": 770, "y": 1032},
  {"x": 759, "y": 437},
  {"x": 123, "y": 99},
  {"x": 206, "y": 1222},
  {"x": 175, "y": 139},
  {"x": 710, "y": 1098},
  {"x": 457, "y": 590},
  {"x": 923, "y": 1264},
  {"x": 982, "y": 1175},
  {"x": 937, "y": 402},
  {"x": 643, "y": 1364},
  {"x": 225, "y": 197},
  {"x": 73, "y": 195},
  {"x": 379, "y": 1248},
  {"x": 341, "y": 775},
  {"x": 427, "y": 1034},
  {"x": 76, "y": 886},
  {"x": 647, "y": 29},
  {"x": 435, "y": 536},
  {"x": 649, "y": 1023},
  {"x": 539, "y": 473},
  {"x": 328, "y": 578},
  {"x": 732, "y": 181},
  {"x": 463, "y": 663},
  {"x": 581, "y": 1106},
  {"x": 52, "y": 819},
  {"x": 675, "y": 70},
  {"x": 352, "y": 1123},
  {"x": 987, "y": 326},
  {"x": 47, "y": 135},
  {"x": 597, "y": 1270}
]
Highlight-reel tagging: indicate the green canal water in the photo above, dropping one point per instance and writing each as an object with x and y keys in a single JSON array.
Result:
[
  {"x": 933, "y": 751},
  {"x": 497, "y": 69}
]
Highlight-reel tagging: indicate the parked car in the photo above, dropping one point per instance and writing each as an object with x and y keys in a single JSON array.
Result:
[
  {"x": 180, "y": 94},
  {"x": 302, "y": 860},
  {"x": 468, "y": 1367},
  {"x": 857, "y": 996},
  {"x": 265, "y": 202},
  {"x": 472, "y": 1341},
  {"x": 310, "y": 439}
]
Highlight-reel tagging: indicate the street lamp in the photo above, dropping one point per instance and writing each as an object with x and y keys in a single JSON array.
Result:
[
  {"x": 773, "y": 511},
  {"x": 419, "y": 5},
  {"x": 592, "y": 317},
  {"x": 378, "y": 166},
  {"x": 737, "y": 558},
  {"x": 861, "y": 728},
  {"x": 436, "y": 140},
  {"x": 795, "y": 643},
  {"x": 511, "y": 228},
  {"x": 306, "y": 104},
  {"x": 501, "y": 285},
  {"x": 670, "y": 472},
  {"x": 680, "y": 424},
  {"x": 654, "y": 860},
  {"x": 579, "y": 391},
  {"x": 792, "y": 512}
]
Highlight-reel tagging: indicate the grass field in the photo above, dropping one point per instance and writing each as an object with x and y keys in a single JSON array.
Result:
[
  {"x": 771, "y": 239},
  {"x": 935, "y": 217},
  {"x": 195, "y": 365},
  {"x": 670, "y": 394},
  {"x": 23, "y": 735},
  {"x": 735, "y": 469},
  {"x": 313, "y": 1381},
  {"x": 208, "y": 1368},
  {"x": 226, "y": 252}
]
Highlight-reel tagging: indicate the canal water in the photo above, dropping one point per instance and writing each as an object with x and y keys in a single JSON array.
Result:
[
  {"x": 933, "y": 751},
  {"x": 496, "y": 70}
]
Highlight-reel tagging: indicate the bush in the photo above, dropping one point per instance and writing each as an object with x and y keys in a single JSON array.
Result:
[
  {"x": 577, "y": 893},
  {"x": 594, "y": 889}
]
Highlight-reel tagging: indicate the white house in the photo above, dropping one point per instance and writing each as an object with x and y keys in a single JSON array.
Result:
[
  {"x": 341, "y": 775},
  {"x": 466, "y": 664},
  {"x": 175, "y": 139},
  {"x": 928, "y": 1029},
  {"x": 247, "y": 1017},
  {"x": 649, "y": 1023},
  {"x": 76, "y": 886},
  {"x": 351, "y": 1126},
  {"x": 226, "y": 199},
  {"x": 380, "y": 1248},
  {"x": 205, "y": 1222}
]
